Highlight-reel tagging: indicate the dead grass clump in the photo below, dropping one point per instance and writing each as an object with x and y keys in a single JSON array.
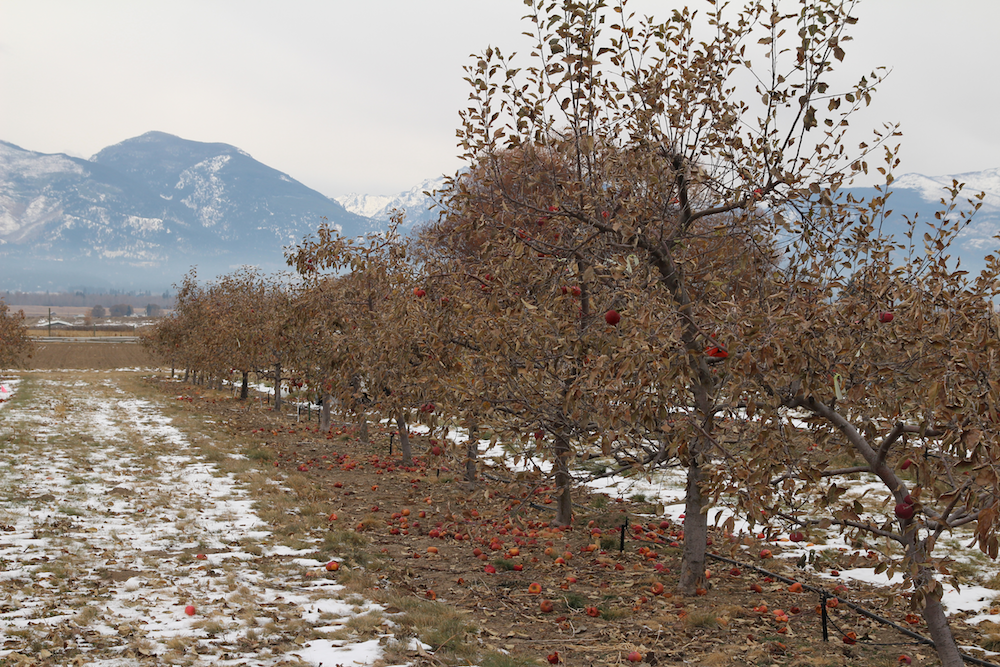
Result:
[
  {"x": 87, "y": 615},
  {"x": 701, "y": 619},
  {"x": 441, "y": 626},
  {"x": 362, "y": 626}
]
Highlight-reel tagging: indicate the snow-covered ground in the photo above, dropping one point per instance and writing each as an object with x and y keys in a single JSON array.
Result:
[{"x": 120, "y": 543}]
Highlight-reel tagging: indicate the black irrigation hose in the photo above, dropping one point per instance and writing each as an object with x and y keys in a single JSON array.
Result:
[
  {"x": 856, "y": 607},
  {"x": 825, "y": 595}
]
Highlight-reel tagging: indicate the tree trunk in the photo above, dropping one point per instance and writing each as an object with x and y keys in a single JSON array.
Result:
[
  {"x": 277, "y": 387},
  {"x": 937, "y": 626},
  {"x": 187, "y": 374},
  {"x": 564, "y": 481},
  {"x": 363, "y": 427},
  {"x": 324, "y": 413},
  {"x": 692, "y": 575},
  {"x": 245, "y": 386},
  {"x": 404, "y": 439},
  {"x": 471, "y": 454}
]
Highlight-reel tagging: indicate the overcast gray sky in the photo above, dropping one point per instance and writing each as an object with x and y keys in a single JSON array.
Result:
[{"x": 363, "y": 96}]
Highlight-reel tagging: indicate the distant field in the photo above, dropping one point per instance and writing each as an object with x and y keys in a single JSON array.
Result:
[
  {"x": 62, "y": 312},
  {"x": 96, "y": 355},
  {"x": 84, "y": 332}
]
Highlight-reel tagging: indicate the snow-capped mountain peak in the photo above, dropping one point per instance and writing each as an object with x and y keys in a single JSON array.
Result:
[
  {"x": 934, "y": 188},
  {"x": 417, "y": 205}
]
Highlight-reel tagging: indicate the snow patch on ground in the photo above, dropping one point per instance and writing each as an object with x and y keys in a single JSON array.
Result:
[{"x": 106, "y": 505}]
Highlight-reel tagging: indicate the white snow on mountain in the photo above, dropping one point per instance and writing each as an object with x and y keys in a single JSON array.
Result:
[
  {"x": 933, "y": 188},
  {"x": 23, "y": 164},
  {"x": 379, "y": 207}
]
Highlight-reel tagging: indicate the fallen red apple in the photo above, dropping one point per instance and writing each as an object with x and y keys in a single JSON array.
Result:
[
  {"x": 332, "y": 566},
  {"x": 189, "y": 610},
  {"x": 634, "y": 656},
  {"x": 796, "y": 537},
  {"x": 553, "y": 658},
  {"x": 885, "y": 316}
]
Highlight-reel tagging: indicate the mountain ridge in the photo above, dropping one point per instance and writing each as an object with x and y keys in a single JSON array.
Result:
[
  {"x": 154, "y": 203},
  {"x": 141, "y": 212}
]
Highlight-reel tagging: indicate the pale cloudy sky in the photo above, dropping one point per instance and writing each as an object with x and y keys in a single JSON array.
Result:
[{"x": 363, "y": 96}]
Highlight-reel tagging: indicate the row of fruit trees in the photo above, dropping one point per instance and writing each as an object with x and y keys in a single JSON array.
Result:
[{"x": 650, "y": 256}]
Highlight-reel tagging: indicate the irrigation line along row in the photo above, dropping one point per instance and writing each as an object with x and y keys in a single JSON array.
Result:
[
  {"x": 854, "y": 606},
  {"x": 824, "y": 594}
]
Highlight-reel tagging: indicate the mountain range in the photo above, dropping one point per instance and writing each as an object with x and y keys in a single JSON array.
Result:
[{"x": 141, "y": 213}]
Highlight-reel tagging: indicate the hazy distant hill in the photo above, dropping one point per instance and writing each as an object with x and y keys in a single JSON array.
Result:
[{"x": 140, "y": 213}]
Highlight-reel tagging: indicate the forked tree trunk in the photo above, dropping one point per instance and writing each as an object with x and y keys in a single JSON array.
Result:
[
  {"x": 564, "y": 481},
  {"x": 324, "y": 413},
  {"x": 245, "y": 386},
  {"x": 404, "y": 439}
]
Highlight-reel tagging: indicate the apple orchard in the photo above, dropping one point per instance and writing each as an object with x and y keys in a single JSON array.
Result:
[{"x": 650, "y": 259}]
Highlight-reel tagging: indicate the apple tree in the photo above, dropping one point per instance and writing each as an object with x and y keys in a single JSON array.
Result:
[
  {"x": 380, "y": 311},
  {"x": 661, "y": 149},
  {"x": 878, "y": 358},
  {"x": 15, "y": 344}
]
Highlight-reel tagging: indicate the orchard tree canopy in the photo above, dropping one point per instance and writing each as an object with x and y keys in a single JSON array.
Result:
[
  {"x": 14, "y": 341},
  {"x": 682, "y": 180},
  {"x": 651, "y": 168}
]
